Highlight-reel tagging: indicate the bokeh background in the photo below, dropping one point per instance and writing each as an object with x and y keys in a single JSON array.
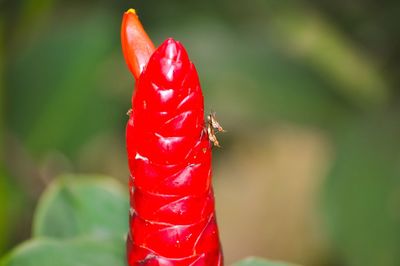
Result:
[{"x": 309, "y": 171}]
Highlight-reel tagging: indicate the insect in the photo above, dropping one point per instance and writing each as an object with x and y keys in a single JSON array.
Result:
[{"x": 212, "y": 125}]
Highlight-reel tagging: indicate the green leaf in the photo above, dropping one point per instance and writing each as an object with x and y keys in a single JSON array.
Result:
[
  {"x": 317, "y": 41},
  {"x": 82, "y": 205},
  {"x": 253, "y": 261},
  {"x": 77, "y": 252},
  {"x": 362, "y": 193}
]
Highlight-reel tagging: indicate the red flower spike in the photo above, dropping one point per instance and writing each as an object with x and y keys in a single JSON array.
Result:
[{"x": 172, "y": 219}]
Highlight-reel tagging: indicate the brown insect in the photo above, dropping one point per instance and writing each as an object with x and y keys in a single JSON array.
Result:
[{"x": 213, "y": 127}]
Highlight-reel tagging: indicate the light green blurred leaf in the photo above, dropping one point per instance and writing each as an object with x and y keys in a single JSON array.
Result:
[
  {"x": 306, "y": 34},
  {"x": 82, "y": 252},
  {"x": 82, "y": 205},
  {"x": 362, "y": 193},
  {"x": 253, "y": 261}
]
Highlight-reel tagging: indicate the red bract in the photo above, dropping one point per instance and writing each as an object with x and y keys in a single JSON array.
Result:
[{"x": 172, "y": 219}]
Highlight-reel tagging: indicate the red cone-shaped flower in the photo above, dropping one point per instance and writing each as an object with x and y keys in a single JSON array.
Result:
[{"x": 172, "y": 219}]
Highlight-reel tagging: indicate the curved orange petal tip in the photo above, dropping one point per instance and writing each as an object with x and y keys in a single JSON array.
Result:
[
  {"x": 136, "y": 44},
  {"x": 131, "y": 10}
]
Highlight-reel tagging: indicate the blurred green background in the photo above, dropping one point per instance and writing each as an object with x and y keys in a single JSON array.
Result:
[{"x": 309, "y": 171}]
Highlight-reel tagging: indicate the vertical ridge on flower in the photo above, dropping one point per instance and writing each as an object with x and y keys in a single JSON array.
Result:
[{"x": 172, "y": 221}]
